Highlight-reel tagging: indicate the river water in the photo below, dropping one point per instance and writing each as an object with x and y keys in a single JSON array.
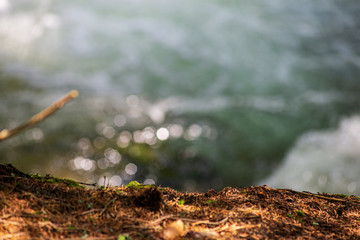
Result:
[{"x": 187, "y": 94}]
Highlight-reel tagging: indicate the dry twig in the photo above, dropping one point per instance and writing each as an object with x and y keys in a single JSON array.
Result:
[{"x": 5, "y": 133}]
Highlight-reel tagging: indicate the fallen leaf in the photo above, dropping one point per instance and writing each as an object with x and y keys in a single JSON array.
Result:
[{"x": 173, "y": 230}]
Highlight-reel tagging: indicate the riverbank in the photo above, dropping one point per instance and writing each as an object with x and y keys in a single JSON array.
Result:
[{"x": 35, "y": 207}]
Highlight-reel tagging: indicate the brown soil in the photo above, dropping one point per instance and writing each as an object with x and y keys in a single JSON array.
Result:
[{"x": 48, "y": 208}]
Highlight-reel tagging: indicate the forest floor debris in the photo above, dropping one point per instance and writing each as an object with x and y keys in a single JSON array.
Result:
[{"x": 35, "y": 207}]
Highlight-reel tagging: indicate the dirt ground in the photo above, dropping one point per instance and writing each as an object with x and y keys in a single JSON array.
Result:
[{"x": 35, "y": 207}]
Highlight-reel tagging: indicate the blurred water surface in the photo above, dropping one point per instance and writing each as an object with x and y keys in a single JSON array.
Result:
[{"x": 187, "y": 94}]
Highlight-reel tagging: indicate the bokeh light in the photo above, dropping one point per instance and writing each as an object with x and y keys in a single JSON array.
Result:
[
  {"x": 124, "y": 139},
  {"x": 131, "y": 169},
  {"x": 120, "y": 120},
  {"x": 115, "y": 180},
  {"x": 81, "y": 163},
  {"x": 162, "y": 134},
  {"x": 112, "y": 155}
]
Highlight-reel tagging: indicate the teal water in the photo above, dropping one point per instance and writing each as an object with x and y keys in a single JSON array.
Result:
[{"x": 192, "y": 95}]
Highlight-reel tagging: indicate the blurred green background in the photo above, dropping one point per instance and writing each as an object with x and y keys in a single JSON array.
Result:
[{"x": 191, "y": 95}]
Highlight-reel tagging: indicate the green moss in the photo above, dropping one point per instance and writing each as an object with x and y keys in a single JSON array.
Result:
[
  {"x": 137, "y": 185},
  {"x": 133, "y": 184},
  {"x": 72, "y": 183},
  {"x": 49, "y": 179}
]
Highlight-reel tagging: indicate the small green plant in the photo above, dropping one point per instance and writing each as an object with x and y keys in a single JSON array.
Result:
[
  {"x": 71, "y": 227},
  {"x": 181, "y": 202},
  {"x": 211, "y": 201},
  {"x": 124, "y": 237},
  {"x": 38, "y": 212},
  {"x": 299, "y": 213},
  {"x": 92, "y": 220},
  {"x": 90, "y": 205}
]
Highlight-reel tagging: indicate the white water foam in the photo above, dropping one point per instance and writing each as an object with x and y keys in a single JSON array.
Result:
[{"x": 323, "y": 161}]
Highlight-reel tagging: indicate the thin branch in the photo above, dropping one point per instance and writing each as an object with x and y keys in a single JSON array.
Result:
[{"x": 5, "y": 133}]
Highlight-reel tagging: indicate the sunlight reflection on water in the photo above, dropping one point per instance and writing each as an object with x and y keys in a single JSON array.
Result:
[{"x": 118, "y": 163}]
